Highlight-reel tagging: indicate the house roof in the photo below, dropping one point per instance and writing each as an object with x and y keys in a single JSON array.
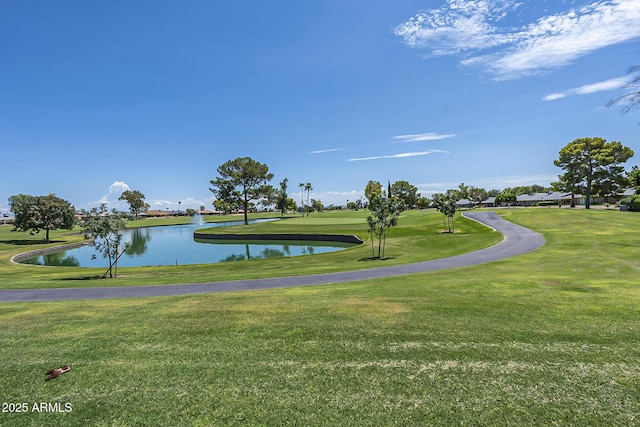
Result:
[{"x": 540, "y": 197}]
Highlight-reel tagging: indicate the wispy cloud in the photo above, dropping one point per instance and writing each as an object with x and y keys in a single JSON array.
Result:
[
  {"x": 475, "y": 30},
  {"x": 398, "y": 156},
  {"x": 330, "y": 150},
  {"x": 515, "y": 181},
  {"x": 430, "y": 136},
  {"x": 610, "y": 84}
]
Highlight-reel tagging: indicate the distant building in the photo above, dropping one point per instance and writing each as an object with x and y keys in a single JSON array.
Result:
[
  {"x": 464, "y": 204},
  {"x": 489, "y": 203},
  {"x": 557, "y": 197},
  {"x": 158, "y": 213}
]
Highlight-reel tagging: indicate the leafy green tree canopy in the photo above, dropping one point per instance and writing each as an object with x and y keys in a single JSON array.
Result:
[
  {"x": 37, "y": 213},
  {"x": 373, "y": 190},
  {"x": 506, "y": 197},
  {"x": 446, "y": 204},
  {"x": 136, "y": 202},
  {"x": 634, "y": 178},
  {"x": 406, "y": 192},
  {"x": 592, "y": 162},
  {"x": 241, "y": 181}
]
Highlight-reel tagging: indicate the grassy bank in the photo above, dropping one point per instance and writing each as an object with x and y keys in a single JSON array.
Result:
[
  {"x": 547, "y": 338},
  {"x": 418, "y": 237}
]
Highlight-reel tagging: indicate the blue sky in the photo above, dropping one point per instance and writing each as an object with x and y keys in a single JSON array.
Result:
[{"x": 101, "y": 96}]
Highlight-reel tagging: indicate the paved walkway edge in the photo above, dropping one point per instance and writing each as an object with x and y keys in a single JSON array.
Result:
[{"x": 517, "y": 240}]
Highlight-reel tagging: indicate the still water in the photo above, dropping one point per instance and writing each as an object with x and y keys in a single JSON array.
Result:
[{"x": 175, "y": 245}]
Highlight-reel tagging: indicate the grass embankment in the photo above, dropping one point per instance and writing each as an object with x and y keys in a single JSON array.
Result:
[
  {"x": 548, "y": 338},
  {"x": 418, "y": 237}
]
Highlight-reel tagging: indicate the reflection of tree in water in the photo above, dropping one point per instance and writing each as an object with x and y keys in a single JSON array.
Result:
[
  {"x": 59, "y": 259},
  {"x": 139, "y": 239},
  {"x": 271, "y": 253},
  {"x": 308, "y": 250},
  {"x": 265, "y": 253},
  {"x": 233, "y": 257}
]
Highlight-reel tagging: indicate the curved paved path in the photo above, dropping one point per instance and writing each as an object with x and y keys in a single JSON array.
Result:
[{"x": 517, "y": 240}]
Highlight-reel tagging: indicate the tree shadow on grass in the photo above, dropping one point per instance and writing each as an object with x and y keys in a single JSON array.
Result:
[
  {"x": 25, "y": 242},
  {"x": 377, "y": 259},
  {"x": 93, "y": 277}
]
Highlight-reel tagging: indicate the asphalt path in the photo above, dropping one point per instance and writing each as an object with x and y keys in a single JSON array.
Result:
[{"x": 517, "y": 240}]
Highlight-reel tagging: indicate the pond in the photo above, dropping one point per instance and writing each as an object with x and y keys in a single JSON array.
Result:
[{"x": 175, "y": 245}]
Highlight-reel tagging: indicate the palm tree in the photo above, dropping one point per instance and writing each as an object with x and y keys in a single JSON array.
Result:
[
  {"x": 308, "y": 187},
  {"x": 301, "y": 185}
]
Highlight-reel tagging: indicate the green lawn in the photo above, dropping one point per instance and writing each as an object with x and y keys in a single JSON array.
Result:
[
  {"x": 418, "y": 237},
  {"x": 547, "y": 338}
]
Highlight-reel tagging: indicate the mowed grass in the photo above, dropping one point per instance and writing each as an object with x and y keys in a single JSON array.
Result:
[
  {"x": 417, "y": 237},
  {"x": 547, "y": 338}
]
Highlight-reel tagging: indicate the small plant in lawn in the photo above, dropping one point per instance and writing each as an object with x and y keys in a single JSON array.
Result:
[
  {"x": 384, "y": 215},
  {"x": 104, "y": 228}
]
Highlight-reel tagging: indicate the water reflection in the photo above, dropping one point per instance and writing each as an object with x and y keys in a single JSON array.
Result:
[
  {"x": 138, "y": 241},
  {"x": 175, "y": 245},
  {"x": 59, "y": 259},
  {"x": 267, "y": 252}
]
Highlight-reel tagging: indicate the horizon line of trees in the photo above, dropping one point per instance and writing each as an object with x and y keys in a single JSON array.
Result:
[{"x": 591, "y": 165}]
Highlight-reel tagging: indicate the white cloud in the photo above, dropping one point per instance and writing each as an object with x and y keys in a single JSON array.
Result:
[
  {"x": 611, "y": 84},
  {"x": 430, "y": 136},
  {"x": 459, "y": 27},
  {"x": 186, "y": 203},
  {"x": 111, "y": 198},
  {"x": 330, "y": 150},
  {"x": 471, "y": 29},
  {"x": 398, "y": 156}
]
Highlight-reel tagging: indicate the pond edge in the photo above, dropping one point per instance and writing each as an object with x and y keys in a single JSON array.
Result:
[
  {"x": 18, "y": 258},
  {"x": 342, "y": 238}
]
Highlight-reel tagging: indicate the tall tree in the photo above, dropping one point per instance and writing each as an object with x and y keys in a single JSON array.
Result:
[
  {"x": 308, "y": 189},
  {"x": 136, "y": 202},
  {"x": 37, "y": 213},
  {"x": 227, "y": 197},
  {"x": 282, "y": 197},
  {"x": 301, "y": 185},
  {"x": 241, "y": 180},
  {"x": 569, "y": 181},
  {"x": 589, "y": 161}
]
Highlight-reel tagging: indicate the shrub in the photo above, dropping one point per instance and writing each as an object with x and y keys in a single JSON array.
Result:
[{"x": 633, "y": 203}]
